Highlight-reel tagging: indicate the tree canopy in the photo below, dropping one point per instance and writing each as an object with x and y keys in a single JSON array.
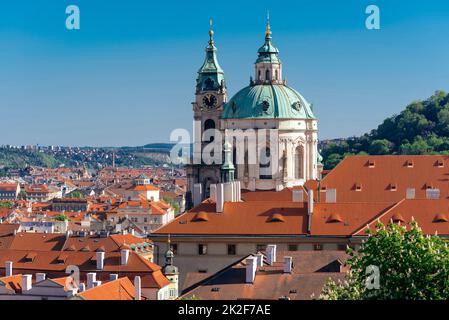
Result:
[
  {"x": 411, "y": 265},
  {"x": 422, "y": 128}
]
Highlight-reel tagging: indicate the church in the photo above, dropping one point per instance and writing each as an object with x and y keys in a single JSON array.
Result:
[{"x": 273, "y": 122}]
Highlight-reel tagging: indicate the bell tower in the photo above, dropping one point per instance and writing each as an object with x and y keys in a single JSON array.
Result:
[{"x": 210, "y": 97}]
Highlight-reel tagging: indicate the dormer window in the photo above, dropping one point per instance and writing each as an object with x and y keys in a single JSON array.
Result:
[
  {"x": 441, "y": 217},
  {"x": 358, "y": 187},
  {"x": 409, "y": 164},
  {"x": 440, "y": 164},
  {"x": 371, "y": 164},
  {"x": 397, "y": 218},
  {"x": 393, "y": 187}
]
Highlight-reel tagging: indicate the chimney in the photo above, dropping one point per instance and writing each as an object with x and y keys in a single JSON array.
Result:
[
  {"x": 8, "y": 268},
  {"x": 96, "y": 283},
  {"x": 82, "y": 287},
  {"x": 213, "y": 192},
  {"x": 26, "y": 282},
  {"x": 310, "y": 203},
  {"x": 239, "y": 190},
  {"x": 124, "y": 256},
  {"x": 72, "y": 292},
  {"x": 251, "y": 267},
  {"x": 271, "y": 254},
  {"x": 197, "y": 194},
  {"x": 219, "y": 192},
  {"x": 259, "y": 259},
  {"x": 331, "y": 195},
  {"x": 91, "y": 278},
  {"x": 410, "y": 193},
  {"x": 138, "y": 290},
  {"x": 288, "y": 264},
  {"x": 40, "y": 277},
  {"x": 132, "y": 232},
  {"x": 310, "y": 211},
  {"x": 228, "y": 191},
  {"x": 297, "y": 195},
  {"x": 100, "y": 260},
  {"x": 113, "y": 276}
]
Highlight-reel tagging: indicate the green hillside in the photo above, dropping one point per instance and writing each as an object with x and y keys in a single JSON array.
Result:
[{"x": 422, "y": 128}]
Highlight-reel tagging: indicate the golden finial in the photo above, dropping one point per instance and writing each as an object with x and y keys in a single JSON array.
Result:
[
  {"x": 268, "y": 30},
  {"x": 211, "y": 32}
]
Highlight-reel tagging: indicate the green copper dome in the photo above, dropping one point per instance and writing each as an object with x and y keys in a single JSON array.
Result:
[{"x": 268, "y": 101}]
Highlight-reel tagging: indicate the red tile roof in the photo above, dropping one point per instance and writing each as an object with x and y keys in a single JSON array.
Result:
[
  {"x": 250, "y": 217},
  {"x": 376, "y": 179},
  {"x": 120, "y": 289}
]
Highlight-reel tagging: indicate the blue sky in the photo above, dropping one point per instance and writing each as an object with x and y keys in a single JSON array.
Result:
[{"x": 127, "y": 77}]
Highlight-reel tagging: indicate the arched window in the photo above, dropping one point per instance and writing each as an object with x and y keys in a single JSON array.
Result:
[
  {"x": 265, "y": 164},
  {"x": 299, "y": 162},
  {"x": 267, "y": 75},
  {"x": 209, "y": 124},
  {"x": 276, "y": 75},
  {"x": 259, "y": 76}
]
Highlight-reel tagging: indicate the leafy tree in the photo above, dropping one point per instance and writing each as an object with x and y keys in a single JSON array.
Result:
[
  {"x": 421, "y": 128},
  {"x": 61, "y": 217},
  {"x": 380, "y": 147},
  {"x": 173, "y": 203},
  {"x": 411, "y": 266},
  {"x": 6, "y": 204},
  {"x": 76, "y": 194}
]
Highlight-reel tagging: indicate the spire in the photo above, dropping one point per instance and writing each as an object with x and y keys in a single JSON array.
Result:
[
  {"x": 267, "y": 28},
  {"x": 211, "y": 33},
  {"x": 169, "y": 254},
  {"x": 210, "y": 75},
  {"x": 268, "y": 64}
]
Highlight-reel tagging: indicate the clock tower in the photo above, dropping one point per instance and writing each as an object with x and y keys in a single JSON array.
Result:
[{"x": 210, "y": 97}]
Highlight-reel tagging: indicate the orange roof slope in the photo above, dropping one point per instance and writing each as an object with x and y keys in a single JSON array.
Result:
[
  {"x": 250, "y": 218},
  {"x": 343, "y": 219},
  {"x": 431, "y": 216},
  {"x": 386, "y": 178},
  {"x": 13, "y": 282},
  {"x": 120, "y": 289}
]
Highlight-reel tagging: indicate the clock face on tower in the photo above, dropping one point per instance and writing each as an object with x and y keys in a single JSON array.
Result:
[{"x": 209, "y": 101}]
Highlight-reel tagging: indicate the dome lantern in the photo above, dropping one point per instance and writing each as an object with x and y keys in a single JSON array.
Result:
[{"x": 268, "y": 64}]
